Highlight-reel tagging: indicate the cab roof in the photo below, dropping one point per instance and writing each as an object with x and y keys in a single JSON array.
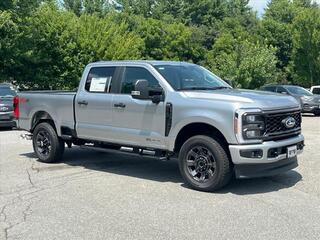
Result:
[{"x": 151, "y": 62}]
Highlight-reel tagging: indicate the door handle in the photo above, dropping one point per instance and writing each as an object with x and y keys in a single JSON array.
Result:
[
  {"x": 119, "y": 105},
  {"x": 83, "y": 102}
]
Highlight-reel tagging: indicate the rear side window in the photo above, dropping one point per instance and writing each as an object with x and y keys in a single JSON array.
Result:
[
  {"x": 99, "y": 79},
  {"x": 316, "y": 91},
  {"x": 7, "y": 92},
  {"x": 133, "y": 74}
]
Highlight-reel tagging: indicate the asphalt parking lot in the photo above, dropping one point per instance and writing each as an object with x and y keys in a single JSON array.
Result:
[{"x": 93, "y": 195}]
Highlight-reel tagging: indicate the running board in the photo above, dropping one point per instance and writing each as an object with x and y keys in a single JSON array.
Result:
[
  {"x": 26, "y": 136},
  {"x": 159, "y": 154}
]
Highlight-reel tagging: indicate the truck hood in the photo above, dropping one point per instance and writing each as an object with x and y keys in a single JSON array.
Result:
[
  {"x": 250, "y": 98},
  {"x": 315, "y": 99}
]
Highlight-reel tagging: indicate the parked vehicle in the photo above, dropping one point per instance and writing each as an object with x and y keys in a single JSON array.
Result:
[
  {"x": 168, "y": 109},
  {"x": 315, "y": 90},
  {"x": 310, "y": 103},
  {"x": 7, "y": 93}
]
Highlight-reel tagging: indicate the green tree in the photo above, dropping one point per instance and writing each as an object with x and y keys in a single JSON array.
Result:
[
  {"x": 165, "y": 41},
  {"x": 8, "y": 35},
  {"x": 248, "y": 64},
  {"x": 306, "y": 47},
  {"x": 73, "y": 6},
  {"x": 58, "y": 44}
]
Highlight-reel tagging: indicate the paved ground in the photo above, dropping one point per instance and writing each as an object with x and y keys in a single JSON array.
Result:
[{"x": 104, "y": 196}]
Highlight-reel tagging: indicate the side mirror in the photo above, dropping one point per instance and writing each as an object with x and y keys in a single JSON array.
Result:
[
  {"x": 141, "y": 90},
  {"x": 283, "y": 92},
  {"x": 230, "y": 82}
]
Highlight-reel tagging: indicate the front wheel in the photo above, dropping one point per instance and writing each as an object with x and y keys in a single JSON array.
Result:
[
  {"x": 46, "y": 143},
  {"x": 204, "y": 163}
]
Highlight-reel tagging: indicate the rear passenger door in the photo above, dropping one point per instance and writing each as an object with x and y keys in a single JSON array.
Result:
[
  {"x": 93, "y": 105},
  {"x": 138, "y": 122}
]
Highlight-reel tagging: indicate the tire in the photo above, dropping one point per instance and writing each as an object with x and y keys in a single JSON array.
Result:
[
  {"x": 47, "y": 145},
  {"x": 204, "y": 164}
]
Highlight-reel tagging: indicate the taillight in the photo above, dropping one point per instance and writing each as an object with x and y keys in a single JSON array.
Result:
[{"x": 16, "y": 110}]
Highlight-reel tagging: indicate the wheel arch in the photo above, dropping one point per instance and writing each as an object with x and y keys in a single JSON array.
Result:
[
  {"x": 198, "y": 128},
  {"x": 42, "y": 116}
]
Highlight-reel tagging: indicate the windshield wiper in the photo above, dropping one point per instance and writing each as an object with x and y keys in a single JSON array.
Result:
[{"x": 203, "y": 88}]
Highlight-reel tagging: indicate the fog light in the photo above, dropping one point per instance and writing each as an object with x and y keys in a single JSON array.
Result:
[
  {"x": 300, "y": 146},
  {"x": 253, "y": 133},
  {"x": 274, "y": 152},
  {"x": 255, "y": 153}
]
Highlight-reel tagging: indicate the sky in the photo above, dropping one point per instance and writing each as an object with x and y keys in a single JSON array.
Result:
[{"x": 260, "y": 5}]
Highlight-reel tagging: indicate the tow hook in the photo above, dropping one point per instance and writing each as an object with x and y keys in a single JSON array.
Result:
[{"x": 26, "y": 136}]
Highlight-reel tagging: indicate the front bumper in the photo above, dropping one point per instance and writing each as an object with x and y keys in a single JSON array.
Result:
[
  {"x": 266, "y": 169},
  {"x": 265, "y": 166},
  {"x": 311, "y": 108},
  {"x": 265, "y": 147}
]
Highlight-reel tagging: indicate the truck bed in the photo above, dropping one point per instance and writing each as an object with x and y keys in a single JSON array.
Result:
[{"x": 59, "y": 105}]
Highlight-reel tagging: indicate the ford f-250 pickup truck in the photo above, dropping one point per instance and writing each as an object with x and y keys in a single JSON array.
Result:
[{"x": 166, "y": 110}]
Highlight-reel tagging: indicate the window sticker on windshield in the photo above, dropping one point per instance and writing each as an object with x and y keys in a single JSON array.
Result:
[{"x": 98, "y": 84}]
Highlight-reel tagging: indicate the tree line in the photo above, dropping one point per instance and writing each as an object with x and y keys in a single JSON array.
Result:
[{"x": 45, "y": 44}]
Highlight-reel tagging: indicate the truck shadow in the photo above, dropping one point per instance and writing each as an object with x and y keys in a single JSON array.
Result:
[{"x": 161, "y": 171}]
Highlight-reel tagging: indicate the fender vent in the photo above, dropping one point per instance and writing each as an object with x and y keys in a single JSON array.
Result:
[{"x": 168, "y": 118}]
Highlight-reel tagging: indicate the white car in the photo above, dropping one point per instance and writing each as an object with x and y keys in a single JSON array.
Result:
[{"x": 315, "y": 89}]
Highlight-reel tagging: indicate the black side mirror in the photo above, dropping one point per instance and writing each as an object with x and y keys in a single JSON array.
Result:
[
  {"x": 228, "y": 81},
  {"x": 157, "y": 98},
  {"x": 141, "y": 90}
]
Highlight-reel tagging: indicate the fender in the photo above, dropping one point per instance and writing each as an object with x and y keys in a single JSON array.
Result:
[{"x": 216, "y": 123}]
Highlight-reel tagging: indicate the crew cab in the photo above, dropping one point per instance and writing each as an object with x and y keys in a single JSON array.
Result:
[{"x": 168, "y": 110}]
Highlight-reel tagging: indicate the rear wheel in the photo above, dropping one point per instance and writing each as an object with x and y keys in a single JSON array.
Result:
[
  {"x": 46, "y": 143},
  {"x": 204, "y": 163}
]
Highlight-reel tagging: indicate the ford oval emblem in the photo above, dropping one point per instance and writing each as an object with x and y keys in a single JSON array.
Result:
[{"x": 289, "y": 122}]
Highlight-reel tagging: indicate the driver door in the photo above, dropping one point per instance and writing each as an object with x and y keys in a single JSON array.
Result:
[{"x": 138, "y": 122}]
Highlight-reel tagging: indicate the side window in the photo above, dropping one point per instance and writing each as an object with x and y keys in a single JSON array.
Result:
[
  {"x": 132, "y": 74},
  {"x": 100, "y": 79},
  {"x": 270, "y": 88},
  {"x": 281, "y": 90},
  {"x": 316, "y": 91}
]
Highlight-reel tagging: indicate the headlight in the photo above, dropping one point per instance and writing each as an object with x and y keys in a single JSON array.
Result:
[
  {"x": 249, "y": 125},
  {"x": 253, "y": 126}
]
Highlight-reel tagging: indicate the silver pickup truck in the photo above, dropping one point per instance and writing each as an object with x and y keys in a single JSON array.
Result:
[{"x": 166, "y": 110}]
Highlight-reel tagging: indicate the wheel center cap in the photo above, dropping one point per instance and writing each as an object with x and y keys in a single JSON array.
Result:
[{"x": 202, "y": 163}]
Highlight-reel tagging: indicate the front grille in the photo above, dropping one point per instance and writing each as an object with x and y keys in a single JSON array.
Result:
[{"x": 275, "y": 127}]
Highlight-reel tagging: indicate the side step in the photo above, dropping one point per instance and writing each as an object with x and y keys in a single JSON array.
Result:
[
  {"x": 159, "y": 154},
  {"x": 26, "y": 136}
]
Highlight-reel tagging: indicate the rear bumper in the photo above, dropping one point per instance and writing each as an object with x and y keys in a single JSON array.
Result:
[
  {"x": 266, "y": 169},
  {"x": 7, "y": 124},
  {"x": 7, "y": 119}
]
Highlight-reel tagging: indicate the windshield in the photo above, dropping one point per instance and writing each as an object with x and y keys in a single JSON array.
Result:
[
  {"x": 7, "y": 92},
  {"x": 298, "y": 90},
  {"x": 190, "y": 77}
]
